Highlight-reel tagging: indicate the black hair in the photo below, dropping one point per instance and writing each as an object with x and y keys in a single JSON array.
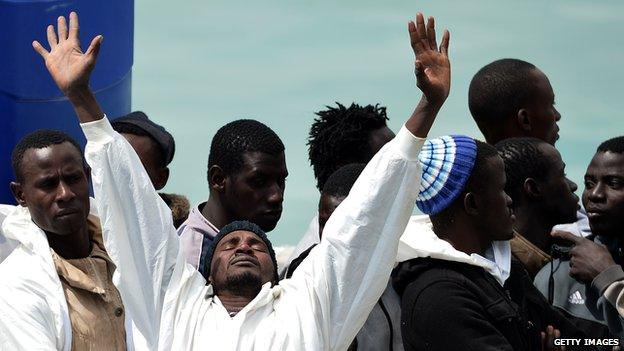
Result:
[
  {"x": 235, "y": 138},
  {"x": 340, "y": 135},
  {"x": 340, "y": 182},
  {"x": 39, "y": 139},
  {"x": 615, "y": 145},
  {"x": 128, "y": 128},
  {"x": 498, "y": 91},
  {"x": 478, "y": 180},
  {"x": 523, "y": 159}
]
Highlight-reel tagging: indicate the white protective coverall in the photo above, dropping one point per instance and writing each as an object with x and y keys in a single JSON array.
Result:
[
  {"x": 321, "y": 307},
  {"x": 33, "y": 308}
]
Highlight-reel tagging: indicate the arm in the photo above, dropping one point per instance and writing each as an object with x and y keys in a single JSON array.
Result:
[
  {"x": 137, "y": 226},
  {"x": 348, "y": 271}
]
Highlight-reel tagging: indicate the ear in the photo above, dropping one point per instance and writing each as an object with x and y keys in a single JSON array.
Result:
[
  {"x": 216, "y": 178},
  {"x": 162, "y": 178},
  {"x": 18, "y": 193},
  {"x": 470, "y": 204},
  {"x": 523, "y": 119},
  {"x": 531, "y": 188}
]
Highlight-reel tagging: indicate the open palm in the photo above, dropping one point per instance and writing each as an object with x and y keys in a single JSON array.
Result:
[
  {"x": 433, "y": 69},
  {"x": 68, "y": 65}
]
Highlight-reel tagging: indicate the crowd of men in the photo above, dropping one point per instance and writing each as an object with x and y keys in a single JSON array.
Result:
[{"x": 504, "y": 257}]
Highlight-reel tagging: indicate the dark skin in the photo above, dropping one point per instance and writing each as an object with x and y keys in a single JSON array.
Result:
[
  {"x": 149, "y": 154},
  {"x": 378, "y": 138},
  {"x": 483, "y": 214},
  {"x": 240, "y": 252},
  {"x": 54, "y": 186},
  {"x": 546, "y": 203},
  {"x": 70, "y": 68},
  {"x": 254, "y": 193},
  {"x": 327, "y": 206},
  {"x": 538, "y": 119},
  {"x": 603, "y": 198}
]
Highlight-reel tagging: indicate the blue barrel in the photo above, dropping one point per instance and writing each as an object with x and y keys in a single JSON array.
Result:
[{"x": 29, "y": 99}]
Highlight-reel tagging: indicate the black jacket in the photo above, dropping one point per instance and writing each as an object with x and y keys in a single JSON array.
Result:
[{"x": 456, "y": 306}]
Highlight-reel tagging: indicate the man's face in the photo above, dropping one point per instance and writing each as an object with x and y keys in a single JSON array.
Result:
[
  {"x": 544, "y": 115},
  {"x": 559, "y": 201},
  {"x": 149, "y": 154},
  {"x": 241, "y": 261},
  {"x": 55, "y": 188},
  {"x": 379, "y": 138},
  {"x": 327, "y": 205},
  {"x": 255, "y": 193},
  {"x": 603, "y": 197},
  {"x": 496, "y": 216}
]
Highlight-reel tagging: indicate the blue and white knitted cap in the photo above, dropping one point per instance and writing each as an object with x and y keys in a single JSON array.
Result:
[{"x": 446, "y": 163}]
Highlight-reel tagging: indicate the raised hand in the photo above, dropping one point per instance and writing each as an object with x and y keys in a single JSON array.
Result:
[
  {"x": 433, "y": 69},
  {"x": 68, "y": 65}
]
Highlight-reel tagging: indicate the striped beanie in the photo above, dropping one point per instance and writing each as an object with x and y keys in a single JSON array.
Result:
[{"x": 446, "y": 163}]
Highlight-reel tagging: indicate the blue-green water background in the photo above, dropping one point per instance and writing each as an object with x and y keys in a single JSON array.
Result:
[{"x": 200, "y": 64}]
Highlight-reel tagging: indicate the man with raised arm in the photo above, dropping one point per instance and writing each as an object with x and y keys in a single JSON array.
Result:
[{"x": 327, "y": 300}]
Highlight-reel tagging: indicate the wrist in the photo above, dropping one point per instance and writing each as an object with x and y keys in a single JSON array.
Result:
[{"x": 78, "y": 94}]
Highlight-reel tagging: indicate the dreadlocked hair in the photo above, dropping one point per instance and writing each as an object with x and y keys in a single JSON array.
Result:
[{"x": 340, "y": 135}]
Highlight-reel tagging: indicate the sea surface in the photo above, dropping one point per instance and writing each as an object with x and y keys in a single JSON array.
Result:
[{"x": 200, "y": 64}]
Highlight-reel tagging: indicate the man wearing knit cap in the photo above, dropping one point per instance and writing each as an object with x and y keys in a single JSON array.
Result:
[
  {"x": 453, "y": 293},
  {"x": 328, "y": 298}
]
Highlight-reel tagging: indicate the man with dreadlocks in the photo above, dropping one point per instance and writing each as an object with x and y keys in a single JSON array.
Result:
[
  {"x": 329, "y": 297},
  {"x": 340, "y": 136}
]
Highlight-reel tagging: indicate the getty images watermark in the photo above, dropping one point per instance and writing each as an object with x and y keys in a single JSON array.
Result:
[{"x": 587, "y": 342}]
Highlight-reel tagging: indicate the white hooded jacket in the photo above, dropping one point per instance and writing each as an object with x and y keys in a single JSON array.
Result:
[
  {"x": 321, "y": 307},
  {"x": 33, "y": 309},
  {"x": 420, "y": 241}
]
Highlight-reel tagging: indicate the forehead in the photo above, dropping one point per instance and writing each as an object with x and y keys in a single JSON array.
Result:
[
  {"x": 242, "y": 235},
  {"x": 260, "y": 161},
  {"x": 53, "y": 156},
  {"x": 542, "y": 84},
  {"x": 607, "y": 163}
]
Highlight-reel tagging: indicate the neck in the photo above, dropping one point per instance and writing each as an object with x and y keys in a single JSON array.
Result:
[
  {"x": 71, "y": 246},
  {"x": 465, "y": 239},
  {"x": 532, "y": 225},
  {"x": 214, "y": 212},
  {"x": 234, "y": 302}
]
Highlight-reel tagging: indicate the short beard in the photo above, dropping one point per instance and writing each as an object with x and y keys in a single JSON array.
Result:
[{"x": 245, "y": 284}]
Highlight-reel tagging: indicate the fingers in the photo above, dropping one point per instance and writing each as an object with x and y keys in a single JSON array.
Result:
[
  {"x": 51, "y": 37},
  {"x": 61, "y": 28},
  {"x": 431, "y": 34},
  {"x": 445, "y": 42},
  {"x": 73, "y": 25},
  {"x": 414, "y": 38},
  {"x": 94, "y": 47},
  {"x": 421, "y": 30},
  {"x": 40, "y": 49},
  {"x": 567, "y": 236}
]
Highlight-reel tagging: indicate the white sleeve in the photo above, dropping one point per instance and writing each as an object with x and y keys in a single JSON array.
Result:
[
  {"x": 25, "y": 324},
  {"x": 136, "y": 224},
  {"x": 349, "y": 269}
]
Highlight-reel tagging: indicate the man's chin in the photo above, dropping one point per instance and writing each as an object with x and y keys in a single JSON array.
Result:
[{"x": 244, "y": 280}]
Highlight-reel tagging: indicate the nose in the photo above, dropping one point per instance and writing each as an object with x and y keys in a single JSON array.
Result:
[
  {"x": 245, "y": 248},
  {"x": 596, "y": 194},
  {"x": 557, "y": 115},
  {"x": 64, "y": 192},
  {"x": 572, "y": 185},
  {"x": 275, "y": 194}
]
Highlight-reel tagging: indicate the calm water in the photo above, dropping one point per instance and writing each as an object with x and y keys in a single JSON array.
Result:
[{"x": 200, "y": 64}]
